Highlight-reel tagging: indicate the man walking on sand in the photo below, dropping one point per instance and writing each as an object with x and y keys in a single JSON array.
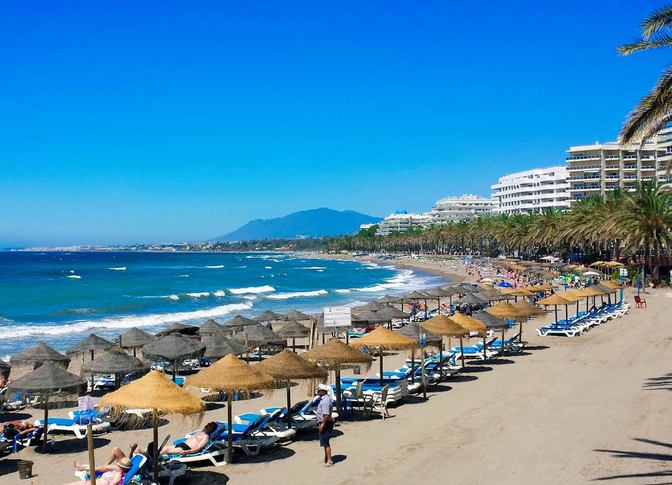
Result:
[{"x": 325, "y": 423}]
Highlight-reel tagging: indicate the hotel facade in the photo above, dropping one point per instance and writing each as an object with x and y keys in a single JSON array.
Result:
[
  {"x": 532, "y": 191},
  {"x": 464, "y": 207},
  {"x": 603, "y": 167}
]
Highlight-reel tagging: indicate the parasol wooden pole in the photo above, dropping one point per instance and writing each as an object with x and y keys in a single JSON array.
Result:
[
  {"x": 556, "y": 314},
  {"x": 503, "y": 333},
  {"x": 293, "y": 344},
  {"x": 46, "y": 422},
  {"x": 174, "y": 369},
  {"x": 92, "y": 458},
  {"x": 520, "y": 330},
  {"x": 412, "y": 366},
  {"x": 339, "y": 398},
  {"x": 423, "y": 377},
  {"x": 155, "y": 458},
  {"x": 462, "y": 351},
  {"x": 289, "y": 403},
  {"x": 441, "y": 360},
  {"x": 229, "y": 436},
  {"x": 380, "y": 357}
]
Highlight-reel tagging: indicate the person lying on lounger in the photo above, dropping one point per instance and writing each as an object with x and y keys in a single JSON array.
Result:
[
  {"x": 193, "y": 444},
  {"x": 10, "y": 429},
  {"x": 112, "y": 473}
]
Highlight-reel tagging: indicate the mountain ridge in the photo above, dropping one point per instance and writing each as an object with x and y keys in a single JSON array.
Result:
[{"x": 307, "y": 223}]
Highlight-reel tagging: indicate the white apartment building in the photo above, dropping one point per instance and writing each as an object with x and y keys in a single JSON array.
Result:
[
  {"x": 532, "y": 191},
  {"x": 464, "y": 207},
  {"x": 599, "y": 168},
  {"x": 401, "y": 221}
]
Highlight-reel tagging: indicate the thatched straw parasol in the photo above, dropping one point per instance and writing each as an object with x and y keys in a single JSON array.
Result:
[
  {"x": 335, "y": 354},
  {"x": 269, "y": 316},
  {"x": 446, "y": 327},
  {"x": 174, "y": 348},
  {"x": 47, "y": 380},
  {"x": 114, "y": 361},
  {"x": 209, "y": 328},
  {"x": 491, "y": 322},
  {"x": 471, "y": 324},
  {"x": 491, "y": 295},
  {"x": 472, "y": 299},
  {"x": 180, "y": 328},
  {"x": 507, "y": 310},
  {"x": 393, "y": 313},
  {"x": 219, "y": 346},
  {"x": 588, "y": 292},
  {"x": 287, "y": 365},
  {"x": 556, "y": 300},
  {"x": 389, "y": 299},
  {"x": 368, "y": 316},
  {"x": 296, "y": 315},
  {"x": 238, "y": 322},
  {"x": 231, "y": 375},
  {"x": 134, "y": 338},
  {"x": 154, "y": 391},
  {"x": 384, "y": 339},
  {"x": 258, "y": 336},
  {"x": 528, "y": 308},
  {"x": 90, "y": 344},
  {"x": 293, "y": 329},
  {"x": 39, "y": 354}
]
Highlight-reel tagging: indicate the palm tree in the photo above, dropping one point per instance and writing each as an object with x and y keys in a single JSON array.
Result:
[{"x": 655, "y": 109}]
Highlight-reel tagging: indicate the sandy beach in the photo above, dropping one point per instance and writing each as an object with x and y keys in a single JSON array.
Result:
[{"x": 567, "y": 410}]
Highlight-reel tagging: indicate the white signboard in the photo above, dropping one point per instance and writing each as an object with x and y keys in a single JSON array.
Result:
[
  {"x": 624, "y": 272},
  {"x": 337, "y": 317}
]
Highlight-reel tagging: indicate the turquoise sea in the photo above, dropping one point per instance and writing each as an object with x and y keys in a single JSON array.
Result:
[{"x": 60, "y": 297}]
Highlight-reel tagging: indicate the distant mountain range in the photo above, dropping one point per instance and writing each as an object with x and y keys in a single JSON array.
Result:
[{"x": 308, "y": 223}]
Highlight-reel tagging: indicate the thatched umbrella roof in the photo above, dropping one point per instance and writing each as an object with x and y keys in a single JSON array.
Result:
[
  {"x": 296, "y": 315},
  {"x": 293, "y": 329},
  {"x": 180, "y": 328},
  {"x": 114, "y": 361},
  {"x": 392, "y": 313},
  {"x": 38, "y": 354},
  {"x": 505, "y": 309},
  {"x": 135, "y": 338},
  {"x": 465, "y": 288},
  {"x": 269, "y": 316},
  {"x": 450, "y": 290},
  {"x": 570, "y": 295},
  {"x": 231, "y": 374},
  {"x": 91, "y": 343},
  {"x": 589, "y": 291},
  {"x": 240, "y": 321},
  {"x": 173, "y": 347},
  {"x": 606, "y": 289},
  {"x": 491, "y": 295},
  {"x": 555, "y": 299},
  {"x": 154, "y": 391},
  {"x": 258, "y": 336},
  {"x": 470, "y": 323},
  {"x": 415, "y": 331},
  {"x": 210, "y": 327},
  {"x": 368, "y": 316},
  {"x": 385, "y": 339},
  {"x": 471, "y": 299},
  {"x": 219, "y": 346},
  {"x": 335, "y": 353},
  {"x": 373, "y": 306},
  {"x": 287, "y": 365},
  {"x": 389, "y": 299},
  {"x": 416, "y": 295},
  {"x": 49, "y": 378},
  {"x": 517, "y": 292},
  {"x": 529, "y": 308},
  {"x": 444, "y": 326},
  {"x": 491, "y": 321}
]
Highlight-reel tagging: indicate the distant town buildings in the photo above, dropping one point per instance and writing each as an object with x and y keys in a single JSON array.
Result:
[
  {"x": 402, "y": 221},
  {"x": 464, "y": 207},
  {"x": 532, "y": 191},
  {"x": 603, "y": 167}
]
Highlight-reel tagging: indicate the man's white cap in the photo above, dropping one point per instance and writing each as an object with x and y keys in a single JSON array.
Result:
[{"x": 323, "y": 387}]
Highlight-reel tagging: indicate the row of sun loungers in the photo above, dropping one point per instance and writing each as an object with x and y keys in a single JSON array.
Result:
[{"x": 573, "y": 327}]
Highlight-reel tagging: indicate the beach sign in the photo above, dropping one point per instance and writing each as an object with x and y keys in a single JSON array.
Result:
[{"x": 337, "y": 317}]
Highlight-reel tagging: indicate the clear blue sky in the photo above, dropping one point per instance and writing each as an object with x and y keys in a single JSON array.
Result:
[{"x": 127, "y": 121}]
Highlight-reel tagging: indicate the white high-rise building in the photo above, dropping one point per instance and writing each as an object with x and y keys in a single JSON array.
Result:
[
  {"x": 602, "y": 167},
  {"x": 532, "y": 191},
  {"x": 401, "y": 221},
  {"x": 464, "y": 207}
]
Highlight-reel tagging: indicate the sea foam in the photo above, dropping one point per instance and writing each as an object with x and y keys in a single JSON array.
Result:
[
  {"x": 296, "y": 294},
  {"x": 252, "y": 289},
  {"x": 118, "y": 268},
  {"x": 23, "y": 331}
]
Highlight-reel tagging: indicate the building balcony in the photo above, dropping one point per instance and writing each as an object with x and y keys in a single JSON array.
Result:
[
  {"x": 582, "y": 157},
  {"x": 572, "y": 168}
]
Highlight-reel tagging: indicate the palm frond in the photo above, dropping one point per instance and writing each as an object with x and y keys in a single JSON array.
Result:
[
  {"x": 652, "y": 112},
  {"x": 645, "y": 45},
  {"x": 658, "y": 20}
]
